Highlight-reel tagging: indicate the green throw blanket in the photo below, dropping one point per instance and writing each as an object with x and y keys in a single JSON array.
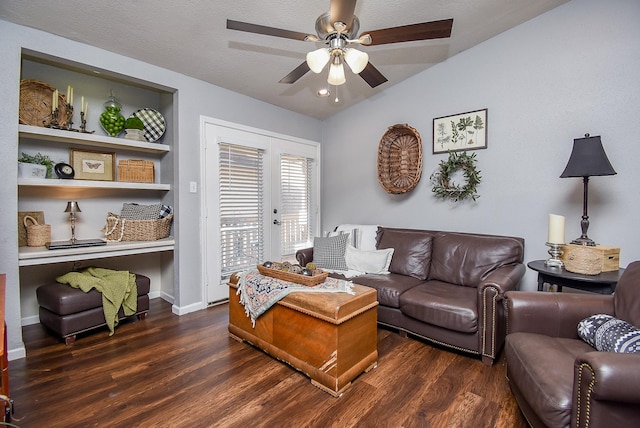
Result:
[{"x": 118, "y": 289}]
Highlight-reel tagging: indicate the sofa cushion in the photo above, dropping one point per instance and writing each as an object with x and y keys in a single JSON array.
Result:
[
  {"x": 439, "y": 303},
  {"x": 411, "y": 251},
  {"x": 466, "y": 259},
  {"x": 328, "y": 253},
  {"x": 390, "y": 287},
  {"x": 547, "y": 388},
  {"x": 609, "y": 334}
]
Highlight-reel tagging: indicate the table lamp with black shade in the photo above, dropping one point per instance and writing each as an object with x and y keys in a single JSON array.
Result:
[{"x": 587, "y": 159}]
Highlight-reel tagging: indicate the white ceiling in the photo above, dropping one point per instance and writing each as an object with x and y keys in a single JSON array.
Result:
[{"x": 190, "y": 37}]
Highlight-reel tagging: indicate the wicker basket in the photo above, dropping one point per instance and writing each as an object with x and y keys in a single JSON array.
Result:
[
  {"x": 318, "y": 276},
  {"x": 119, "y": 229},
  {"x": 37, "y": 234},
  {"x": 136, "y": 171},
  {"x": 35, "y": 103},
  {"x": 400, "y": 159},
  {"x": 583, "y": 261}
]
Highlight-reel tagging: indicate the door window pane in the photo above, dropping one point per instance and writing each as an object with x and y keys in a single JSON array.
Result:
[{"x": 241, "y": 208}]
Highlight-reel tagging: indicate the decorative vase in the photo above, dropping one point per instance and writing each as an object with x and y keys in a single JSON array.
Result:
[{"x": 111, "y": 119}]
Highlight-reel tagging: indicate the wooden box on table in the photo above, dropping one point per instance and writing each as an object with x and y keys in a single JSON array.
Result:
[{"x": 331, "y": 337}]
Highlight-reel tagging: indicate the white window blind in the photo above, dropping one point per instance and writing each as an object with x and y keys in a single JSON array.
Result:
[
  {"x": 241, "y": 208},
  {"x": 295, "y": 191}
]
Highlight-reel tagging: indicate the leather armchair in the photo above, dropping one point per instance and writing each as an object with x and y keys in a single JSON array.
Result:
[{"x": 557, "y": 378}]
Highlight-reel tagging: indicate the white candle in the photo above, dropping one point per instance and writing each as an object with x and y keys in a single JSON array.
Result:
[
  {"x": 53, "y": 101},
  {"x": 556, "y": 229},
  {"x": 82, "y": 104},
  {"x": 71, "y": 97}
]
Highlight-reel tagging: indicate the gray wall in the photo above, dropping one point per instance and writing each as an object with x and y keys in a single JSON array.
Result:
[
  {"x": 194, "y": 97},
  {"x": 571, "y": 71}
]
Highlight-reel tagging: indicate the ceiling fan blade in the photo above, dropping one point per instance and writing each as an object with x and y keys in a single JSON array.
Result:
[
  {"x": 342, "y": 11},
  {"x": 262, "y": 29},
  {"x": 372, "y": 76},
  {"x": 296, "y": 74},
  {"x": 409, "y": 33}
]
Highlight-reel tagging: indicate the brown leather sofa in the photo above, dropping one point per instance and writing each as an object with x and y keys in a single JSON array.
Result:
[
  {"x": 557, "y": 378},
  {"x": 446, "y": 287}
]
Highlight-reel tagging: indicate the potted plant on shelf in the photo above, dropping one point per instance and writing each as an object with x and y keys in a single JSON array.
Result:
[
  {"x": 35, "y": 166},
  {"x": 134, "y": 128}
]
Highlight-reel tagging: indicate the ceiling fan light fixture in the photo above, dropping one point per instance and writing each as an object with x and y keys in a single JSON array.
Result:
[
  {"x": 336, "y": 74},
  {"x": 316, "y": 60},
  {"x": 365, "y": 39},
  {"x": 356, "y": 59}
]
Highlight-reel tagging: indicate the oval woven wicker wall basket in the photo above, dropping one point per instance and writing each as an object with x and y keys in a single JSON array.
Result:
[
  {"x": 35, "y": 103},
  {"x": 400, "y": 159}
]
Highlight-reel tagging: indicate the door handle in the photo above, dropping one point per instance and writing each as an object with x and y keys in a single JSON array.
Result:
[{"x": 276, "y": 222}]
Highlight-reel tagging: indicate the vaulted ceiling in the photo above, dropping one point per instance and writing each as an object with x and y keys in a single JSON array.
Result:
[{"x": 190, "y": 37}]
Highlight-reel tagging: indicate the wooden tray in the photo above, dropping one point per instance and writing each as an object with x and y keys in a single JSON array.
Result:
[{"x": 318, "y": 276}]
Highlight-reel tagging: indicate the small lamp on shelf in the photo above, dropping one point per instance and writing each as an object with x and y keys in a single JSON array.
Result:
[
  {"x": 587, "y": 159},
  {"x": 72, "y": 209}
]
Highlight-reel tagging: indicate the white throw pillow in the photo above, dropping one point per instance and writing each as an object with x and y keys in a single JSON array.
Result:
[
  {"x": 375, "y": 261},
  {"x": 354, "y": 236},
  {"x": 366, "y": 236}
]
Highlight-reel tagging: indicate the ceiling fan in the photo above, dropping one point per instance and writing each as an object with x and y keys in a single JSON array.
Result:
[{"x": 338, "y": 30}]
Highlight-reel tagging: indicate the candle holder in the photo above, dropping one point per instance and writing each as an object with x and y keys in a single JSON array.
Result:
[
  {"x": 555, "y": 251},
  {"x": 53, "y": 123},
  {"x": 69, "y": 114},
  {"x": 83, "y": 124}
]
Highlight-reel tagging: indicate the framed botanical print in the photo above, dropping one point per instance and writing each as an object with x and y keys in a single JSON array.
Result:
[{"x": 458, "y": 132}]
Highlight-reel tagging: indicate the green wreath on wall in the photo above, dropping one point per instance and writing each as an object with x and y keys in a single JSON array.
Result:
[{"x": 441, "y": 179}]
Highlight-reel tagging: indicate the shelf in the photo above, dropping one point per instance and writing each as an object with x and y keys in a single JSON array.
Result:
[
  {"x": 31, "y": 256},
  {"x": 78, "y": 138},
  {"x": 90, "y": 184}
]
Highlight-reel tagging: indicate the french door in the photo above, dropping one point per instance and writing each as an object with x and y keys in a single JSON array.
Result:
[{"x": 261, "y": 198}]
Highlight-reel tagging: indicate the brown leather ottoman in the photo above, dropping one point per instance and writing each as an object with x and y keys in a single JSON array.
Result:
[
  {"x": 68, "y": 311},
  {"x": 331, "y": 337}
]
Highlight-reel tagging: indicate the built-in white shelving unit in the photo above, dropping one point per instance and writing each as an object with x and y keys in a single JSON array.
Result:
[{"x": 96, "y": 198}]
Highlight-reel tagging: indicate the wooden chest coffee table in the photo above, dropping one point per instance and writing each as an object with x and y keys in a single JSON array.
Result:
[{"x": 331, "y": 337}]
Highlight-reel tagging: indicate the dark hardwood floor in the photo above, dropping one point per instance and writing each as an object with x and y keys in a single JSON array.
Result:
[{"x": 170, "y": 371}]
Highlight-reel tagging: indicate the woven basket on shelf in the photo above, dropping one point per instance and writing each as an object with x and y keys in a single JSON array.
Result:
[
  {"x": 317, "y": 278},
  {"x": 120, "y": 229},
  {"x": 400, "y": 159},
  {"x": 136, "y": 171},
  {"x": 583, "y": 261},
  {"x": 36, "y": 98},
  {"x": 37, "y": 234}
]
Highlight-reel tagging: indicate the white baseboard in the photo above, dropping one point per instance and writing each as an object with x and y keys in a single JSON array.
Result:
[{"x": 183, "y": 310}]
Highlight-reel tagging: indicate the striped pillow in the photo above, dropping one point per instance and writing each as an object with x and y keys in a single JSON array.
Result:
[{"x": 328, "y": 253}]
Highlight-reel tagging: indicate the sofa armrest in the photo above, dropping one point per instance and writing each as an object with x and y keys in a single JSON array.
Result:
[
  {"x": 552, "y": 314},
  {"x": 491, "y": 309},
  {"x": 304, "y": 256},
  {"x": 503, "y": 279},
  {"x": 605, "y": 389}
]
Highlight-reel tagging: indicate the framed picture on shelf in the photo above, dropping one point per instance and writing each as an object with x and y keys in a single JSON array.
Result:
[
  {"x": 93, "y": 165},
  {"x": 458, "y": 132}
]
